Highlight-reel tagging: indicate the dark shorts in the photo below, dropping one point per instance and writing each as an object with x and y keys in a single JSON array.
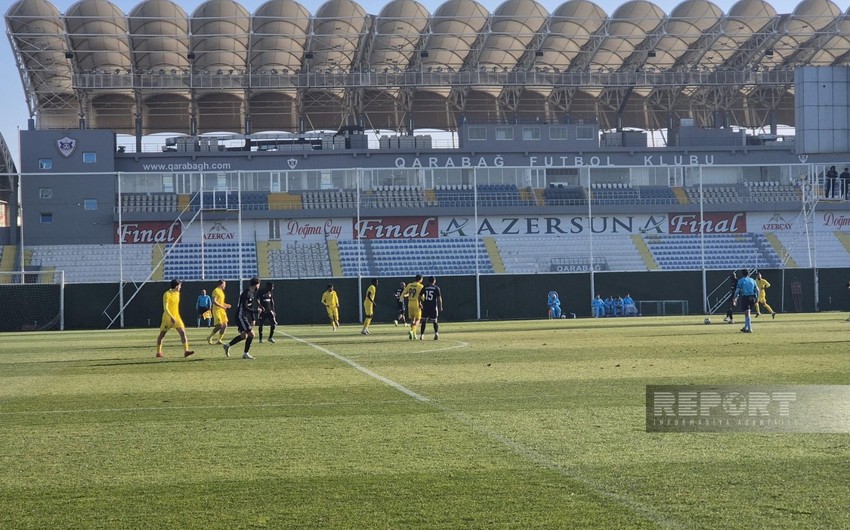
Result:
[
  {"x": 748, "y": 303},
  {"x": 267, "y": 316},
  {"x": 244, "y": 323},
  {"x": 430, "y": 314},
  {"x": 202, "y": 310}
]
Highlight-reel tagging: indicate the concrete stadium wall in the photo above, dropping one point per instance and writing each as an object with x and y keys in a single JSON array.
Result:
[{"x": 502, "y": 296}]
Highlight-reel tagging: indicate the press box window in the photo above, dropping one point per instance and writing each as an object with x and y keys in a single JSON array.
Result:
[
  {"x": 45, "y": 163},
  {"x": 585, "y": 132},
  {"x": 89, "y": 157},
  {"x": 45, "y": 193},
  {"x": 557, "y": 133},
  {"x": 46, "y": 218},
  {"x": 90, "y": 204},
  {"x": 531, "y": 133},
  {"x": 504, "y": 133},
  {"x": 477, "y": 133}
]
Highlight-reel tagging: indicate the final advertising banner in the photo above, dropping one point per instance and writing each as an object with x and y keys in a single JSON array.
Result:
[
  {"x": 396, "y": 228},
  {"x": 147, "y": 232}
]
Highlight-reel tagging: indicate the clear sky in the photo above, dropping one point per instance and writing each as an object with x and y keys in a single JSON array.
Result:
[{"x": 12, "y": 93}]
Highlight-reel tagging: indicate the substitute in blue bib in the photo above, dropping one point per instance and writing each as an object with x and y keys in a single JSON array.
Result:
[{"x": 554, "y": 304}]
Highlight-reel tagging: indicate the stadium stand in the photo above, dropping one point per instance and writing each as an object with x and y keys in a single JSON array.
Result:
[
  {"x": 501, "y": 195},
  {"x": 563, "y": 195},
  {"x": 398, "y": 257},
  {"x": 657, "y": 195},
  {"x": 537, "y": 254},
  {"x": 614, "y": 193},
  {"x": 625, "y": 193},
  {"x": 831, "y": 250},
  {"x": 455, "y": 195},
  {"x": 329, "y": 199},
  {"x": 395, "y": 197},
  {"x": 230, "y": 200},
  {"x": 771, "y": 191},
  {"x": 190, "y": 261},
  {"x": 714, "y": 194},
  {"x": 722, "y": 251},
  {"x": 296, "y": 260},
  {"x": 148, "y": 202},
  {"x": 284, "y": 201},
  {"x": 94, "y": 263}
]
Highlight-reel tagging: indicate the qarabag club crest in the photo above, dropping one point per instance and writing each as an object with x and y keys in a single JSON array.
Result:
[{"x": 66, "y": 146}]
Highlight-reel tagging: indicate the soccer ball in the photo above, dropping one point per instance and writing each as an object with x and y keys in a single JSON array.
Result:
[{"x": 707, "y": 321}]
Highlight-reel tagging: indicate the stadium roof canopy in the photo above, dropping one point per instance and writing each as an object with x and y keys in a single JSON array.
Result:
[{"x": 282, "y": 68}]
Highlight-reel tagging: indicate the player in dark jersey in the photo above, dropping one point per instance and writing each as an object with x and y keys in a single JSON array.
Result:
[
  {"x": 247, "y": 312},
  {"x": 400, "y": 301},
  {"x": 432, "y": 303},
  {"x": 733, "y": 285},
  {"x": 266, "y": 298}
]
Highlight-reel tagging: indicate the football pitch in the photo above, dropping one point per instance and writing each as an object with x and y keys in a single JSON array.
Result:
[{"x": 522, "y": 424}]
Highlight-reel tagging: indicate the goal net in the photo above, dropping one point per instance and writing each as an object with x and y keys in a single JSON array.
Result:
[{"x": 32, "y": 301}]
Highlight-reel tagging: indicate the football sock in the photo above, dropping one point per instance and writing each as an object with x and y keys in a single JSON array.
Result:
[
  {"x": 236, "y": 340},
  {"x": 248, "y": 342},
  {"x": 422, "y": 327},
  {"x": 271, "y": 331},
  {"x": 366, "y": 322},
  {"x": 746, "y": 321},
  {"x": 436, "y": 327}
]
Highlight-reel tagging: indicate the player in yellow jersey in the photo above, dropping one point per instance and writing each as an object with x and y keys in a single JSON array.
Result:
[
  {"x": 219, "y": 309},
  {"x": 414, "y": 309},
  {"x": 369, "y": 306},
  {"x": 762, "y": 301},
  {"x": 331, "y": 303},
  {"x": 171, "y": 318}
]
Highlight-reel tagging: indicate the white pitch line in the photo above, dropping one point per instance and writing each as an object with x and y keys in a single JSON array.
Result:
[
  {"x": 360, "y": 368},
  {"x": 460, "y": 344},
  {"x": 517, "y": 448}
]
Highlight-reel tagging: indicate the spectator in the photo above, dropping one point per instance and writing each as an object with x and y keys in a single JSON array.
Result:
[
  {"x": 845, "y": 183},
  {"x": 831, "y": 182},
  {"x": 629, "y": 307}
]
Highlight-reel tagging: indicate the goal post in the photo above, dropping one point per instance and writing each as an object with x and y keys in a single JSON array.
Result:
[{"x": 32, "y": 300}]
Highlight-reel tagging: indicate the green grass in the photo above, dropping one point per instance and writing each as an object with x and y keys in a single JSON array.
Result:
[{"x": 531, "y": 424}]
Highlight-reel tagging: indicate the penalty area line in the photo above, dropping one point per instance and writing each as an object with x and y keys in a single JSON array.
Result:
[{"x": 360, "y": 368}]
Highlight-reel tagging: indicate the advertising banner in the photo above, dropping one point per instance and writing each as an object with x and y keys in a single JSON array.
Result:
[{"x": 147, "y": 232}]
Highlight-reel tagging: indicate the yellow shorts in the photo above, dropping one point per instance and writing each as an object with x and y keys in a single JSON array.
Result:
[
  {"x": 414, "y": 312},
  {"x": 368, "y": 308},
  {"x": 219, "y": 317},
  {"x": 333, "y": 313},
  {"x": 167, "y": 324}
]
